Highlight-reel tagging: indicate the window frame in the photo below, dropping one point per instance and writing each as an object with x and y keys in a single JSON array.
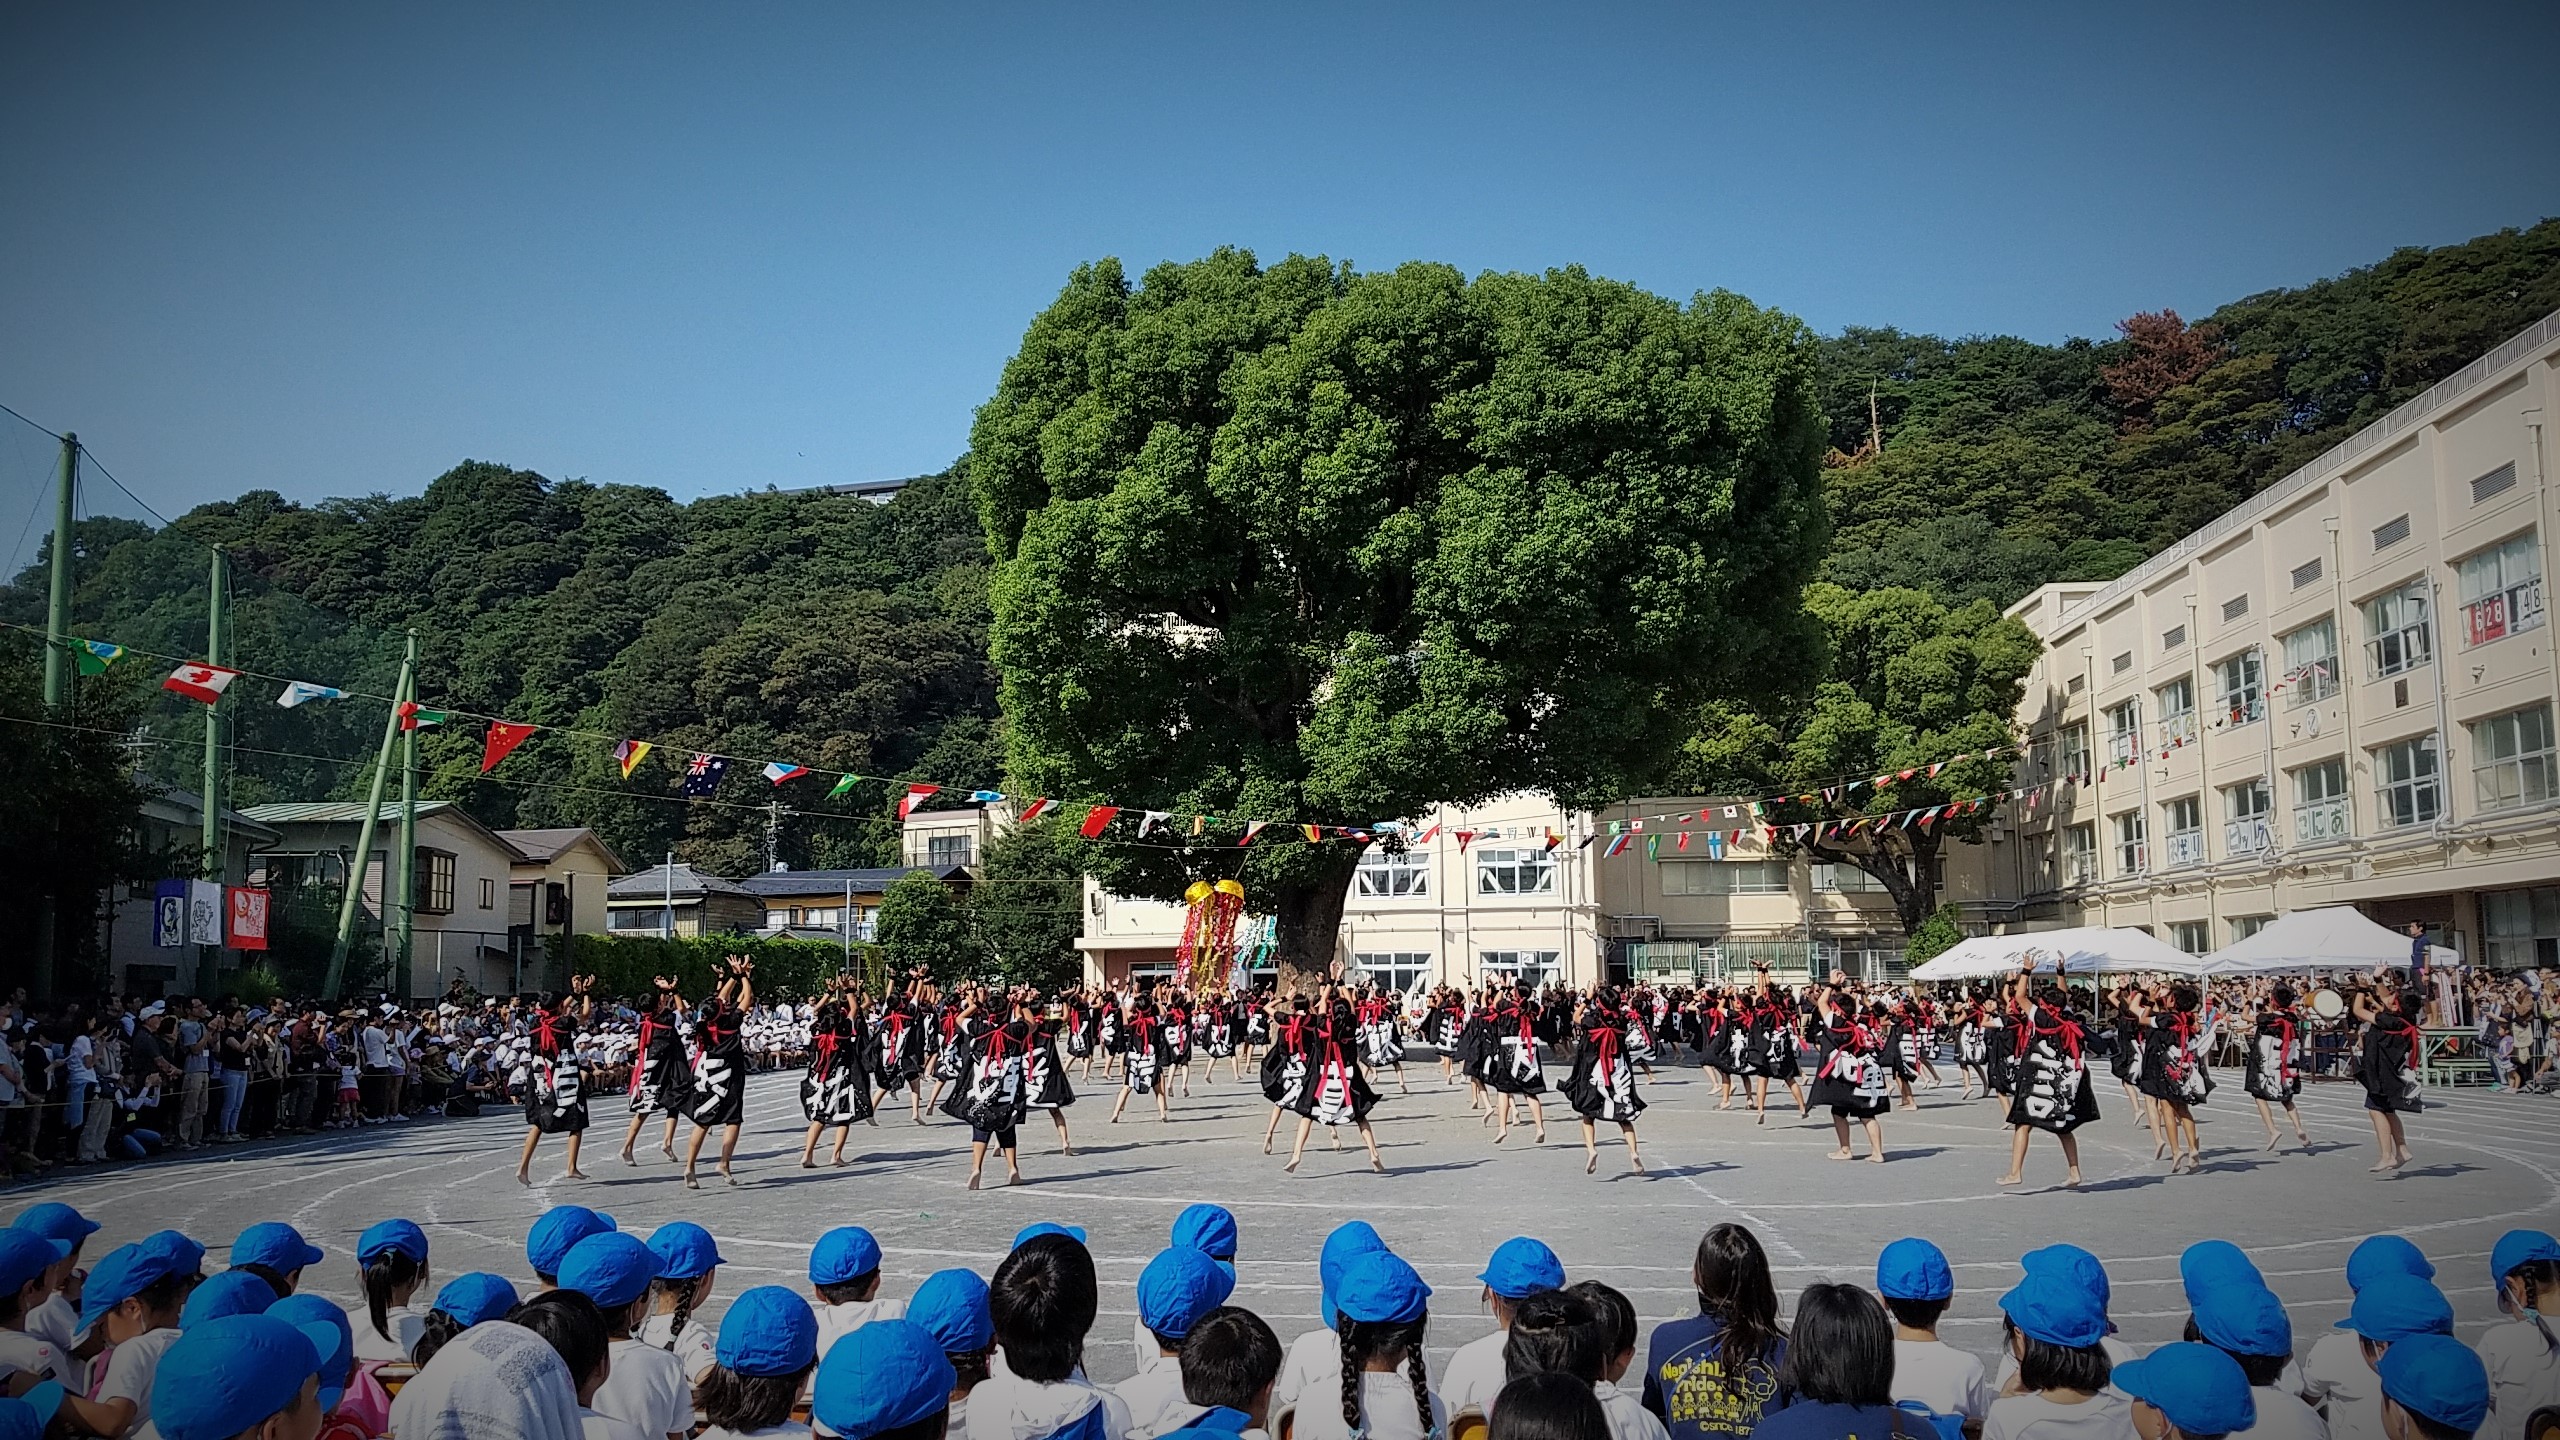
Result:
[
  {"x": 2399, "y": 627},
  {"x": 2503, "y": 604},
  {"x": 2124, "y": 731},
  {"x": 2406, "y": 801},
  {"x": 433, "y": 876},
  {"x": 940, "y": 849},
  {"x": 2319, "y": 679},
  {"x": 1537, "y": 868},
  {"x": 2182, "y": 830},
  {"x": 2132, "y": 841},
  {"x": 2535, "y": 772},
  {"x": 2242, "y": 675},
  {"x": 2080, "y": 854},
  {"x": 2177, "y": 721},
  {"x": 1390, "y": 875}
]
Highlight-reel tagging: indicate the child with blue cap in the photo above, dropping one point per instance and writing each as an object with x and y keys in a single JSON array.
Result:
[
  {"x": 240, "y": 1376},
  {"x": 1209, "y": 1229},
  {"x": 1043, "y": 1303},
  {"x": 887, "y": 1381},
  {"x": 2078, "y": 1267},
  {"x": 2188, "y": 1392},
  {"x": 2335, "y": 1375},
  {"x": 2054, "y": 1323},
  {"x": 131, "y": 1304},
  {"x": 465, "y": 1301},
  {"x": 1314, "y": 1352},
  {"x": 1385, "y": 1315},
  {"x": 393, "y": 1257},
  {"x": 57, "y": 1321},
  {"x": 646, "y": 1387},
  {"x": 1176, "y": 1288},
  {"x": 844, "y": 1273},
  {"x": 2388, "y": 1312},
  {"x": 1917, "y": 1285},
  {"x": 1520, "y": 1267},
  {"x": 689, "y": 1262},
  {"x": 768, "y": 1345},
  {"x": 2433, "y": 1388},
  {"x": 277, "y": 1251},
  {"x": 2522, "y": 1355},
  {"x": 233, "y": 1292},
  {"x": 560, "y": 1227},
  {"x": 27, "y": 1261},
  {"x": 952, "y": 1307},
  {"x": 352, "y": 1406},
  {"x": 2238, "y": 1315}
]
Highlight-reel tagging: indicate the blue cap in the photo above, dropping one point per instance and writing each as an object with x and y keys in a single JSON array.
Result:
[
  {"x": 612, "y": 1269},
  {"x": 2211, "y": 1263},
  {"x": 2519, "y": 1247},
  {"x": 2399, "y": 1307},
  {"x": 1522, "y": 1267},
  {"x": 2439, "y": 1378},
  {"x": 2072, "y": 1262},
  {"x": 233, "y": 1292},
  {"x": 560, "y": 1227},
  {"x": 127, "y": 1271},
  {"x": 25, "y": 1255},
  {"x": 26, "y": 1417},
  {"x": 1208, "y": 1229},
  {"x": 312, "y": 1314},
  {"x": 1380, "y": 1287},
  {"x": 1914, "y": 1269},
  {"x": 2052, "y": 1307},
  {"x": 2382, "y": 1255},
  {"x": 1038, "y": 1228},
  {"x": 185, "y": 1256},
  {"x": 2200, "y": 1389},
  {"x": 767, "y": 1332},
  {"x": 400, "y": 1235},
  {"x": 475, "y": 1297},
  {"x": 1178, "y": 1287},
  {"x": 1348, "y": 1242},
  {"x": 845, "y": 1253},
  {"x": 56, "y": 1221},
  {"x": 888, "y": 1374},
  {"x": 277, "y": 1246},
  {"x": 685, "y": 1250},
  {"x": 227, "y": 1375},
  {"x": 2244, "y": 1319},
  {"x": 953, "y": 1305}
]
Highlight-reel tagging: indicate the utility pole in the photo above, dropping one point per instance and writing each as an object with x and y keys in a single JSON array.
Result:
[
  {"x": 217, "y": 633},
  {"x": 58, "y": 672},
  {"x": 406, "y": 862},
  {"x": 773, "y": 837},
  {"x": 401, "y": 693}
]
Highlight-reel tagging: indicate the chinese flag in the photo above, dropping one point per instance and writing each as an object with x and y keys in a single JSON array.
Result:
[
  {"x": 504, "y": 737},
  {"x": 1095, "y": 819}
]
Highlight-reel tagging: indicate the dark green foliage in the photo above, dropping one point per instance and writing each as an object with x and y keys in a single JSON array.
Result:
[
  {"x": 1936, "y": 935},
  {"x": 68, "y": 810},
  {"x": 1028, "y": 905},
  {"x": 924, "y": 929}
]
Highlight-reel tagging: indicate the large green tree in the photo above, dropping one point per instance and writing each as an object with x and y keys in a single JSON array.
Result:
[
  {"x": 1302, "y": 544},
  {"x": 1028, "y": 905}
]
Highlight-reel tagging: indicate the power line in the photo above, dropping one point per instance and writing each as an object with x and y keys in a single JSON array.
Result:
[{"x": 5, "y": 410}]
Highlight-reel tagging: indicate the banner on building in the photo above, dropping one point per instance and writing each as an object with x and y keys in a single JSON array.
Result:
[
  {"x": 247, "y": 922},
  {"x": 169, "y": 915},
  {"x": 204, "y": 911}
]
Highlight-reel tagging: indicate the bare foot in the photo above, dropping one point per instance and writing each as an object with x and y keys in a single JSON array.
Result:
[
  {"x": 1542, "y": 1137},
  {"x": 527, "y": 1180},
  {"x": 1498, "y": 1134},
  {"x": 1842, "y": 1155},
  {"x": 1289, "y": 1169},
  {"x": 627, "y": 1160},
  {"x": 839, "y": 1162},
  {"x": 1591, "y": 1166},
  {"x": 573, "y": 1174},
  {"x": 1013, "y": 1179},
  {"x": 1636, "y": 1163},
  {"x": 808, "y": 1164},
  {"x": 2385, "y": 1168},
  {"x": 2009, "y": 1179},
  {"x": 1876, "y": 1159},
  {"x": 2073, "y": 1183},
  {"x": 690, "y": 1183},
  {"x": 973, "y": 1182},
  {"x": 2273, "y": 1141},
  {"x": 732, "y": 1182}
]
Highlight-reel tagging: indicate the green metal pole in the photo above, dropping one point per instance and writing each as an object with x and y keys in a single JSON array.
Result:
[
  {"x": 58, "y": 673},
  {"x": 406, "y": 862},
  {"x": 217, "y": 633},
  {"x": 337, "y": 977}
]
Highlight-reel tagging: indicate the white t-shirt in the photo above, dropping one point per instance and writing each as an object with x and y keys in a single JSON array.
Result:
[
  {"x": 1008, "y": 1407},
  {"x": 377, "y": 1048},
  {"x": 1475, "y": 1374},
  {"x": 595, "y": 1426},
  {"x": 22, "y": 1351},
  {"x": 1628, "y": 1419},
  {"x": 696, "y": 1349},
  {"x": 130, "y": 1368},
  {"x": 80, "y": 1055},
  {"x": 1386, "y": 1408},
  {"x": 646, "y": 1390},
  {"x": 1942, "y": 1377},
  {"x": 1313, "y": 1353},
  {"x": 1153, "y": 1396},
  {"x": 56, "y": 1322},
  {"x": 2524, "y": 1374},
  {"x": 2033, "y": 1417},
  {"x": 405, "y": 1322},
  {"x": 2336, "y": 1379},
  {"x": 837, "y": 1321},
  {"x": 2283, "y": 1416}
]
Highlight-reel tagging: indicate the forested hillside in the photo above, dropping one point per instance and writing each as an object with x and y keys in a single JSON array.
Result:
[{"x": 852, "y": 636}]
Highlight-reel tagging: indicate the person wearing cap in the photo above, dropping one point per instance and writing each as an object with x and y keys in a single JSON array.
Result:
[
  {"x": 1209, "y": 1229},
  {"x": 27, "y": 1261},
  {"x": 2434, "y": 1387},
  {"x": 2234, "y": 1312},
  {"x": 887, "y": 1381},
  {"x": 768, "y": 1345},
  {"x": 233, "y": 1292},
  {"x": 276, "y": 1251},
  {"x": 844, "y": 1273},
  {"x": 131, "y": 1303},
  {"x": 2053, "y": 1323},
  {"x": 392, "y": 1256},
  {"x": 2084, "y": 1270},
  {"x": 559, "y": 1228},
  {"x": 2522, "y": 1355},
  {"x": 689, "y": 1262},
  {"x": 1385, "y": 1316},
  {"x": 1520, "y": 1267},
  {"x": 951, "y": 1305},
  {"x": 2335, "y": 1376},
  {"x": 353, "y": 1404},
  {"x": 1917, "y": 1285},
  {"x": 465, "y": 1301},
  {"x": 240, "y": 1376},
  {"x": 646, "y": 1387},
  {"x": 57, "y": 1320},
  {"x": 2188, "y": 1391},
  {"x": 1314, "y": 1352},
  {"x": 1229, "y": 1363},
  {"x": 1176, "y": 1288},
  {"x": 1042, "y": 1303},
  {"x": 2387, "y": 1312}
]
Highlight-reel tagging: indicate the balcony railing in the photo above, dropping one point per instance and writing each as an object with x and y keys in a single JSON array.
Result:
[
  {"x": 2321, "y": 820},
  {"x": 2248, "y": 837},
  {"x": 2186, "y": 847}
]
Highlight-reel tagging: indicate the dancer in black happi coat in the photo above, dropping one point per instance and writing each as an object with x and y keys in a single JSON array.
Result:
[
  {"x": 2051, "y": 1089},
  {"x": 2271, "y": 1070},
  {"x": 719, "y": 1095},
  {"x": 1335, "y": 1090},
  {"x": 835, "y": 1091},
  {"x": 660, "y": 1073},
  {"x": 1854, "y": 1078},
  {"x": 1602, "y": 1085},
  {"x": 1512, "y": 1070},
  {"x": 555, "y": 1095},
  {"x": 2388, "y": 1068}
]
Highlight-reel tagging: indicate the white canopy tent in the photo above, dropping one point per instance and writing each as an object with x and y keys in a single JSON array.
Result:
[
  {"x": 2084, "y": 950},
  {"x": 2333, "y": 937},
  {"x": 1973, "y": 958}
]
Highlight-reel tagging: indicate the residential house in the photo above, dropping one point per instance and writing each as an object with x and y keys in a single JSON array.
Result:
[
  {"x": 678, "y": 900},
  {"x": 833, "y": 904},
  {"x": 172, "y": 823},
  {"x": 557, "y": 886},
  {"x": 462, "y": 869}
]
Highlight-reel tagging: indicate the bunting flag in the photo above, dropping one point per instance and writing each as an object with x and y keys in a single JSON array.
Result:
[
  {"x": 1683, "y": 842},
  {"x": 628, "y": 754},
  {"x": 1553, "y": 840},
  {"x": 1463, "y": 837},
  {"x": 504, "y": 737},
  {"x": 1095, "y": 819},
  {"x": 1426, "y": 836},
  {"x": 1199, "y": 823},
  {"x": 1149, "y": 821},
  {"x": 414, "y": 716},
  {"x": 302, "y": 692},
  {"x": 844, "y": 786},
  {"x": 1313, "y": 833},
  {"x": 201, "y": 683},
  {"x": 702, "y": 774},
  {"x": 1653, "y": 847},
  {"x": 778, "y": 771},
  {"x": 1037, "y": 808},
  {"x": 1251, "y": 829},
  {"x": 1715, "y": 844},
  {"x": 1617, "y": 843},
  {"x": 907, "y": 805},
  {"x": 92, "y": 657},
  {"x": 986, "y": 797}
]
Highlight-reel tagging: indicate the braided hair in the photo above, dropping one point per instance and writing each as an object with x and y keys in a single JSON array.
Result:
[
  {"x": 2539, "y": 1278},
  {"x": 683, "y": 1289},
  {"x": 1364, "y": 1339}
]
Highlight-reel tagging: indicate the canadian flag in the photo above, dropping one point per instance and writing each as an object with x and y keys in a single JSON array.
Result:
[{"x": 200, "y": 682}]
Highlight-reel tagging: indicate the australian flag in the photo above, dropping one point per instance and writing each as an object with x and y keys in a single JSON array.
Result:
[{"x": 702, "y": 774}]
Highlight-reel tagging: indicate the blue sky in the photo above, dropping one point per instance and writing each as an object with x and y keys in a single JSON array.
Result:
[{"x": 334, "y": 249}]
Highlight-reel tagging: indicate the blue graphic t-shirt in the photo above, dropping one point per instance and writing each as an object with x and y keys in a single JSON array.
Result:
[{"x": 1696, "y": 1392}]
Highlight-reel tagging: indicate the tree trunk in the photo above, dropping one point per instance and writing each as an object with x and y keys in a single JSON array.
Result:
[{"x": 1310, "y": 915}]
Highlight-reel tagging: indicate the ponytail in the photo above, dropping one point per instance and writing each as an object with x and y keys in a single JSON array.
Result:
[
  {"x": 440, "y": 1328},
  {"x": 387, "y": 1271}
]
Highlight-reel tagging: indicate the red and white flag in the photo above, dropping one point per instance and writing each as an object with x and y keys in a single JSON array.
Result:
[
  {"x": 200, "y": 682},
  {"x": 1038, "y": 808},
  {"x": 915, "y": 793}
]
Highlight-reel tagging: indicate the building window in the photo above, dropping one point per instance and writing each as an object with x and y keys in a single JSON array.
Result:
[
  {"x": 2311, "y": 662},
  {"x": 1515, "y": 872},
  {"x": 2234, "y": 608},
  {"x": 2511, "y": 758},
  {"x": 2395, "y": 625},
  {"x": 2080, "y": 855},
  {"x": 2177, "y": 711},
  {"x": 2320, "y": 802},
  {"x": 1690, "y": 877},
  {"x": 2501, "y": 591},
  {"x": 2246, "y": 808},
  {"x": 2237, "y": 696},
  {"x": 653, "y": 921},
  {"x": 2173, "y": 637},
  {"x": 2306, "y": 573},
  {"x": 2406, "y": 791},
  {"x": 2182, "y": 824},
  {"x": 488, "y": 893},
  {"x": 2133, "y": 856},
  {"x": 2244, "y": 926},
  {"x": 1521, "y": 967},
  {"x": 2075, "y": 749},
  {"x": 941, "y": 850},
  {"x": 1842, "y": 878},
  {"x": 2496, "y": 482},
  {"x": 1402, "y": 970},
  {"x": 1757, "y": 877},
  {"x": 2522, "y": 927},
  {"x": 434, "y": 872},
  {"x": 1392, "y": 876},
  {"x": 2121, "y": 663},
  {"x": 2193, "y": 936},
  {"x": 2124, "y": 733}
]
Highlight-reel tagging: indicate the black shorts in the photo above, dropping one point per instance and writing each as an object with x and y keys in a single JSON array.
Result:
[{"x": 1001, "y": 1139}]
